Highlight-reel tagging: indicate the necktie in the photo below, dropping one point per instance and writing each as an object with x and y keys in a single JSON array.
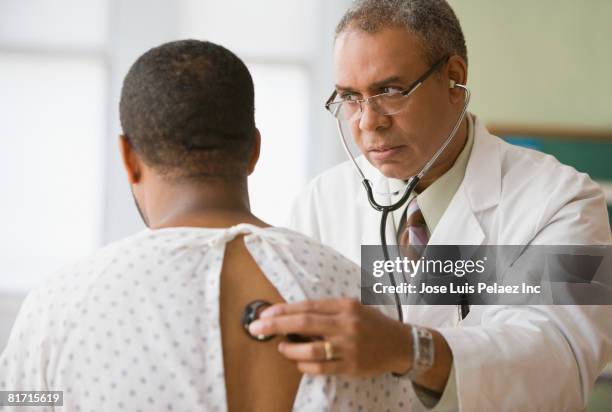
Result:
[
  {"x": 413, "y": 229},
  {"x": 413, "y": 233}
]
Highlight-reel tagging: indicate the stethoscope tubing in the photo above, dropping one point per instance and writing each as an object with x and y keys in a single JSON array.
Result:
[{"x": 412, "y": 183}]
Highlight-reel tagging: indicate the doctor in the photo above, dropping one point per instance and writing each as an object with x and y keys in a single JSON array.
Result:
[{"x": 480, "y": 191}]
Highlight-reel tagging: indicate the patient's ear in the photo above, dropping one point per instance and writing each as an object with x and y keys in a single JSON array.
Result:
[
  {"x": 254, "y": 152},
  {"x": 131, "y": 161}
]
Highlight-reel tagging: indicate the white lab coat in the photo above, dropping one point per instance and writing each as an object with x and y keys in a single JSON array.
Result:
[{"x": 540, "y": 358}]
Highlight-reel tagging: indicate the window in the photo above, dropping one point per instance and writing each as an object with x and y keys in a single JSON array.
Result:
[
  {"x": 53, "y": 106},
  {"x": 281, "y": 110}
]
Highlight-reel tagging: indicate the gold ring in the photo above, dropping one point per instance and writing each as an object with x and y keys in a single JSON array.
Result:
[{"x": 329, "y": 351}]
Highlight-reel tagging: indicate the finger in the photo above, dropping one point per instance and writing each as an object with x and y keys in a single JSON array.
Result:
[
  {"x": 323, "y": 306},
  {"x": 301, "y": 324},
  {"x": 321, "y": 368},
  {"x": 308, "y": 352}
]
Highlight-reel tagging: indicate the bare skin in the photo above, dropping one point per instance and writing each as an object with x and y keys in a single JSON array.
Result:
[
  {"x": 367, "y": 64},
  {"x": 256, "y": 377}
]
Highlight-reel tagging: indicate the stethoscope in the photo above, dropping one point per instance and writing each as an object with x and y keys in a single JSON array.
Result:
[
  {"x": 252, "y": 310},
  {"x": 251, "y": 313},
  {"x": 412, "y": 183}
]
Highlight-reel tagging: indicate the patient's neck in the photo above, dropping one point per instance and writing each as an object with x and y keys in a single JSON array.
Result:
[{"x": 216, "y": 203}]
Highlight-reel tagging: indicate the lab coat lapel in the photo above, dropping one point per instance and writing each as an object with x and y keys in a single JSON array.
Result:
[
  {"x": 458, "y": 225},
  {"x": 480, "y": 190}
]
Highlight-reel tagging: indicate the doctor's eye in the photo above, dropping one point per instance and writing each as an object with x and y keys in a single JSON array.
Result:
[
  {"x": 349, "y": 97},
  {"x": 392, "y": 89}
]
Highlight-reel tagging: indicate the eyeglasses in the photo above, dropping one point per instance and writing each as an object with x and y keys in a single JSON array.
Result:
[{"x": 387, "y": 104}]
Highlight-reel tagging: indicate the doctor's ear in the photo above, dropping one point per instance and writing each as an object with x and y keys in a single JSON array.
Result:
[
  {"x": 254, "y": 157},
  {"x": 456, "y": 70}
]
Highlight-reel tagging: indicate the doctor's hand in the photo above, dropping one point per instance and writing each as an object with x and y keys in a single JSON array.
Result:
[{"x": 361, "y": 340}]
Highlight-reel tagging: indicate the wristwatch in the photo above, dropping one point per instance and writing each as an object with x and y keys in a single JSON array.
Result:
[{"x": 422, "y": 353}]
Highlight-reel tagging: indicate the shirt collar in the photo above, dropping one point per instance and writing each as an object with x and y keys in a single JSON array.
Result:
[{"x": 434, "y": 200}]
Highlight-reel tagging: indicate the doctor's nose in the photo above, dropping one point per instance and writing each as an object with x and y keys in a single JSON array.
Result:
[{"x": 370, "y": 120}]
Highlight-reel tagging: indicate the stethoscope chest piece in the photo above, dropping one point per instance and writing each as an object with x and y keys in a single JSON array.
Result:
[{"x": 250, "y": 314}]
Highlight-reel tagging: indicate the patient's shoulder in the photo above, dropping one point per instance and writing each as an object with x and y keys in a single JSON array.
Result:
[
  {"x": 312, "y": 250},
  {"x": 302, "y": 268}
]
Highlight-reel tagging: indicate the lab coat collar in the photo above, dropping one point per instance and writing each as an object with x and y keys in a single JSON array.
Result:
[
  {"x": 479, "y": 190},
  {"x": 482, "y": 181},
  {"x": 458, "y": 225}
]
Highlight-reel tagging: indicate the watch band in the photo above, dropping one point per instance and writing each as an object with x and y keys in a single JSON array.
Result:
[{"x": 422, "y": 353}]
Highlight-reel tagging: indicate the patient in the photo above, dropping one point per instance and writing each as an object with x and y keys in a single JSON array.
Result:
[{"x": 152, "y": 322}]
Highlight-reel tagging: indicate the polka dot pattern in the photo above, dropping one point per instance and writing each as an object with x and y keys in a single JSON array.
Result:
[{"x": 136, "y": 326}]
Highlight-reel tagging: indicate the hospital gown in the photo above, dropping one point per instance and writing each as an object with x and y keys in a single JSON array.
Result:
[{"x": 136, "y": 326}]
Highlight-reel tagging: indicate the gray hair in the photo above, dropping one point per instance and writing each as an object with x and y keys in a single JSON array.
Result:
[{"x": 433, "y": 21}]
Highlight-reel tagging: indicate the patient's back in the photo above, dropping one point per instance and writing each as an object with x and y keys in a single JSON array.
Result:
[
  {"x": 152, "y": 322},
  {"x": 257, "y": 377}
]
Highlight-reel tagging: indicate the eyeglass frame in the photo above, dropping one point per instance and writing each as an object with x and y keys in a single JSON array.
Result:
[{"x": 406, "y": 92}]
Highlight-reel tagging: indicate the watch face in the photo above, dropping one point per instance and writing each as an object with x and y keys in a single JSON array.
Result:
[
  {"x": 426, "y": 358},
  {"x": 423, "y": 353},
  {"x": 424, "y": 349}
]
